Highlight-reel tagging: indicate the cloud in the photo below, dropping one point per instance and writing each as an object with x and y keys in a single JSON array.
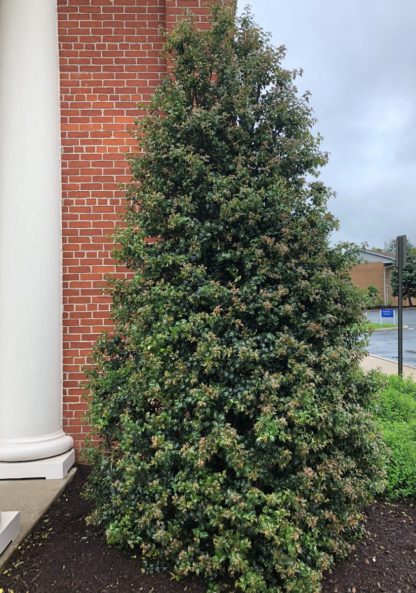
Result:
[{"x": 358, "y": 62}]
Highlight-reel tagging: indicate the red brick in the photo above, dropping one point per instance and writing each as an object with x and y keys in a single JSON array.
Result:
[{"x": 110, "y": 59}]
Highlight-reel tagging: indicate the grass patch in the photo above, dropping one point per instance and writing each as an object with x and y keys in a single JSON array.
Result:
[
  {"x": 373, "y": 327},
  {"x": 395, "y": 413}
]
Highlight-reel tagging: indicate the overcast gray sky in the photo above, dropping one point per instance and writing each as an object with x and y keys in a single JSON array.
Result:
[{"x": 359, "y": 63}]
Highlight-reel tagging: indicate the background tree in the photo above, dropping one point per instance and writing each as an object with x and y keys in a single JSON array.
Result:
[
  {"x": 390, "y": 246},
  {"x": 409, "y": 275},
  {"x": 231, "y": 409}
]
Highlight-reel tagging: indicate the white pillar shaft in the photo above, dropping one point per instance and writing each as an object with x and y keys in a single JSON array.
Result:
[{"x": 30, "y": 233}]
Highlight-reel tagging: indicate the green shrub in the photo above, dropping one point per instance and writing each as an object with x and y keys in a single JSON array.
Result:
[
  {"x": 373, "y": 298},
  {"x": 396, "y": 414},
  {"x": 235, "y": 437}
]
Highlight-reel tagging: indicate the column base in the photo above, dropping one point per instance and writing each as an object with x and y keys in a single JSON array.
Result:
[
  {"x": 9, "y": 528},
  {"x": 34, "y": 448},
  {"x": 53, "y": 468}
]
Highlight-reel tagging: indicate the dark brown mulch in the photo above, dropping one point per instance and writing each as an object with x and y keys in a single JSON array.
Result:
[
  {"x": 63, "y": 555},
  {"x": 385, "y": 560}
]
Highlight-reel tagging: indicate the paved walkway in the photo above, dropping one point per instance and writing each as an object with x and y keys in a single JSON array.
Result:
[
  {"x": 31, "y": 498},
  {"x": 388, "y": 367}
]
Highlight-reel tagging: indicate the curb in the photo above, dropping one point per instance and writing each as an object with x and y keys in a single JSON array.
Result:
[{"x": 39, "y": 514}]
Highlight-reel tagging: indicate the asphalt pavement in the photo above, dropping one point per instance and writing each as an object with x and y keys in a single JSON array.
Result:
[{"x": 383, "y": 343}]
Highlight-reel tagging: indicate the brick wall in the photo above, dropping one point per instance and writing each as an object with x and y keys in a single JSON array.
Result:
[
  {"x": 110, "y": 59},
  {"x": 374, "y": 274},
  {"x": 369, "y": 274}
]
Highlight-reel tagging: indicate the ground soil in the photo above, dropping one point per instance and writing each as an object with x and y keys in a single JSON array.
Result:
[{"x": 63, "y": 555}]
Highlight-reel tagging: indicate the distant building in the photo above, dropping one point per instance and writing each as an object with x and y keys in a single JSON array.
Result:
[{"x": 375, "y": 269}]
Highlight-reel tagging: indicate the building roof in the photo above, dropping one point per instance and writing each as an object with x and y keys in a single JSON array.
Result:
[{"x": 376, "y": 257}]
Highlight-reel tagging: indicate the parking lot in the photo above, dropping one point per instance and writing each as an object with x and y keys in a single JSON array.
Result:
[{"x": 384, "y": 343}]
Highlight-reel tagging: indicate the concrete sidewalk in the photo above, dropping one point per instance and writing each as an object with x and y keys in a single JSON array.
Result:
[
  {"x": 389, "y": 367},
  {"x": 31, "y": 498}
]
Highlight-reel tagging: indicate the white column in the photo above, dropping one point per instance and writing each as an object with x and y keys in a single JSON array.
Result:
[{"x": 30, "y": 237}]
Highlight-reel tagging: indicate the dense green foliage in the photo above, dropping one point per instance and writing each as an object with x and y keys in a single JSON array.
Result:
[
  {"x": 235, "y": 437},
  {"x": 396, "y": 414},
  {"x": 373, "y": 298}
]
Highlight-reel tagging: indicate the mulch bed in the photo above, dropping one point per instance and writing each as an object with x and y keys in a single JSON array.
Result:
[{"x": 63, "y": 555}]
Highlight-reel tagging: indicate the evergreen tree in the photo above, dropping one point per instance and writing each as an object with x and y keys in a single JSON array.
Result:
[
  {"x": 235, "y": 441},
  {"x": 409, "y": 276}
]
